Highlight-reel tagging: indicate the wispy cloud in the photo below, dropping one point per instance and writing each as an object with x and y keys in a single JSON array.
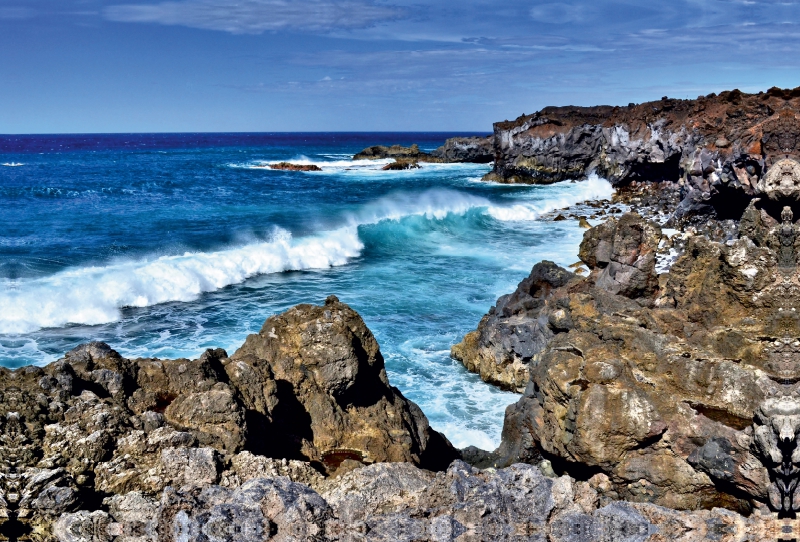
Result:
[
  {"x": 258, "y": 16},
  {"x": 16, "y": 12}
]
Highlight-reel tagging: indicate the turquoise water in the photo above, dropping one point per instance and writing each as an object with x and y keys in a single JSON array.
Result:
[{"x": 164, "y": 245}]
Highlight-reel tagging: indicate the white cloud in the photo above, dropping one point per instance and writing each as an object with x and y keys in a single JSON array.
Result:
[
  {"x": 556, "y": 13},
  {"x": 257, "y": 16}
]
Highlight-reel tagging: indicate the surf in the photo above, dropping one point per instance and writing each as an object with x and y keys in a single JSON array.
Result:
[{"x": 95, "y": 295}]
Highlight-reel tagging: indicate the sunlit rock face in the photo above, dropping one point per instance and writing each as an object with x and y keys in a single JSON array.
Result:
[
  {"x": 682, "y": 389},
  {"x": 782, "y": 181}
]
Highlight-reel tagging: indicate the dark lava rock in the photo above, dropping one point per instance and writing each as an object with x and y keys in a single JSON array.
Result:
[{"x": 286, "y": 166}]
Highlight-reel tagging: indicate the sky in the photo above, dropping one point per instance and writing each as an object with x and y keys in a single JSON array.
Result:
[{"x": 73, "y": 66}]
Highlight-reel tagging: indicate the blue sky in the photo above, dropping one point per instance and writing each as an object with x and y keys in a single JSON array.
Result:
[{"x": 330, "y": 65}]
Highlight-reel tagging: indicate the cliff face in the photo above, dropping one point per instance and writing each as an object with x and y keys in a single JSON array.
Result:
[{"x": 718, "y": 146}]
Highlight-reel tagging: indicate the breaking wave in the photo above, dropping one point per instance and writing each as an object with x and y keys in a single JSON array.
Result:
[{"x": 95, "y": 295}]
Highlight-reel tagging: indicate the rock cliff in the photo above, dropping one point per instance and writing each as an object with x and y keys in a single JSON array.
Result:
[{"x": 717, "y": 147}]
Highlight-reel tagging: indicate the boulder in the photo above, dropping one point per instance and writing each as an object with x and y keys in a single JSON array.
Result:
[{"x": 305, "y": 397}]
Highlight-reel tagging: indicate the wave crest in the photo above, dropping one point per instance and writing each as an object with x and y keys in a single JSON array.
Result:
[{"x": 95, "y": 295}]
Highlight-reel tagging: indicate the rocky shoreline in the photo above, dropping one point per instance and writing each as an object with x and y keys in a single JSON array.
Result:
[{"x": 659, "y": 375}]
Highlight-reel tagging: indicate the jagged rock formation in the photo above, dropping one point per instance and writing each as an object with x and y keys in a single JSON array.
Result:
[
  {"x": 478, "y": 150},
  {"x": 401, "y": 165},
  {"x": 306, "y": 396},
  {"x": 717, "y": 147},
  {"x": 398, "y": 152},
  {"x": 510, "y": 337},
  {"x": 681, "y": 389},
  {"x": 388, "y": 502}
]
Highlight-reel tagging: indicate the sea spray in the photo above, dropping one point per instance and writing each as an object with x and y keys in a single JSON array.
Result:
[
  {"x": 94, "y": 295},
  {"x": 422, "y": 255}
]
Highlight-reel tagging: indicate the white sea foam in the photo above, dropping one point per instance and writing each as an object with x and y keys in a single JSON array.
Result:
[
  {"x": 432, "y": 204},
  {"x": 95, "y": 295},
  {"x": 567, "y": 194}
]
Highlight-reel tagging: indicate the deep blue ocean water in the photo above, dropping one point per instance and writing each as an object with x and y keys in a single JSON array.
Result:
[{"x": 163, "y": 245}]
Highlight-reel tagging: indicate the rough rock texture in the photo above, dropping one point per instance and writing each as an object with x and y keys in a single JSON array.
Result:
[
  {"x": 681, "y": 389},
  {"x": 307, "y": 395},
  {"x": 401, "y": 503},
  {"x": 467, "y": 149},
  {"x": 621, "y": 253},
  {"x": 718, "y": 147},
  {"x": 401, "y": 165}
]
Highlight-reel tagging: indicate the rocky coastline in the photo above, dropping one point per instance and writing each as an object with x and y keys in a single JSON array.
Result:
[{"x": 659, "y": 376}]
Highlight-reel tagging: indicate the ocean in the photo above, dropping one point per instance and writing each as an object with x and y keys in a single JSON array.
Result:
[{"x": 163, "y": 245}]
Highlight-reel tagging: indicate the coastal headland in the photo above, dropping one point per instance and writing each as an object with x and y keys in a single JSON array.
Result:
[{"x": 660, "y": 389}]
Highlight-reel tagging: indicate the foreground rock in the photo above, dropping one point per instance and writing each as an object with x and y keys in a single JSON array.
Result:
[
  {"x": 717, "y": 147},
  {"x": 306, "y": 397},
  {"x": 682, "y": 389},
  {"x": 398, "y": 502}
]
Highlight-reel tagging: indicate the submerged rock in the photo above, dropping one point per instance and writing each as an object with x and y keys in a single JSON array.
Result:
[{"x": 286, "y": 166}]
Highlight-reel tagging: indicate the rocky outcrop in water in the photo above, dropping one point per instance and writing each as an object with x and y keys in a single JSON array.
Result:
[
  {"x": 401, "y": 165},
  {"x": 479, "y": 150},
  {"x": 306, "y": 397},
  {"x": 287, "y": 166},
  {"x": 717, "y": 147},
  {"x": 398, "y": 152}
]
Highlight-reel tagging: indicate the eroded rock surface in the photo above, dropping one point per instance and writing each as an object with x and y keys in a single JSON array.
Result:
[
  {"x": 717, "y": 147},
  {"x": 399, "y": 502},
  {"x": 682, "y": 389},
  {"x": 97, "y": 433}
]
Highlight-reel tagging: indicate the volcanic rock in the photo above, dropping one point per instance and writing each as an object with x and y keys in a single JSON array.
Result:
[
  {"x": 717, "y": 147},
  {"x": 479, "y": 150},
  {"x": 298, "y": 399},
  {"x": 399, "y": 502},
  {"x": 398, "y": 152},
  {"x": 401, "y": 165},
  {"x": 680, "y": 389},
  {"x": 286, "y": 166}
]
